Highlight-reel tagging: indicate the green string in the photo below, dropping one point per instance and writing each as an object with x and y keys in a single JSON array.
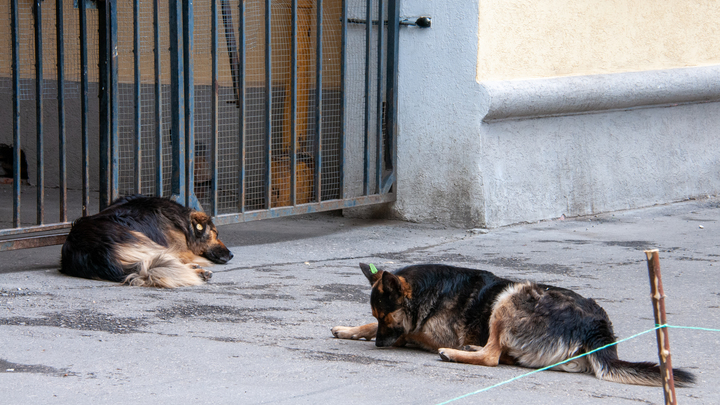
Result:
[{"x": 577, "y": 357}]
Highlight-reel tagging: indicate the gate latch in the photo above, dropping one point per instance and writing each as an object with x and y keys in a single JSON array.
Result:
[{"x": 422, "y": 22}]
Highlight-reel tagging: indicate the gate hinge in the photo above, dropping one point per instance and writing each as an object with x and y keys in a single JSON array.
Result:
[{"x": 422, "y": 22}]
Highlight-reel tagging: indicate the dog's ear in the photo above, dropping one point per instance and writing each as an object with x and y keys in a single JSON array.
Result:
[
  {"x": 199, "y": 222},
  {"x": 391, "y": 284},
  {"x": 372, "y": 273}
]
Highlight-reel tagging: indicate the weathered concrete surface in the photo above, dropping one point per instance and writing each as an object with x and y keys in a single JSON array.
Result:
[{"x": 260, "y": 331}]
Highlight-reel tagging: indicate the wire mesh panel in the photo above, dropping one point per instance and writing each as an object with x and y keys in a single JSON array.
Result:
[{"x": 249, "y": 109}]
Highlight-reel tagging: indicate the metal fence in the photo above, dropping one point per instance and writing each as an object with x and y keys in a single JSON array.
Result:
[{"x": 245, "y": 109}]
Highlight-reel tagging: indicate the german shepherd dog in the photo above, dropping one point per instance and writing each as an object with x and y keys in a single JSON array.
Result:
[
  {"x": 144, "y": 241},
  {"x": 472, "y": 316}
]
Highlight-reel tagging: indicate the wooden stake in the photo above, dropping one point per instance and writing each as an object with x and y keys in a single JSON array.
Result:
[{"x": 658, "y": 300}]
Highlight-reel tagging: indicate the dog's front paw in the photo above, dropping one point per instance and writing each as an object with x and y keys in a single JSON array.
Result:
[
  {"x": 345, "y": 332},
  {"x": 446, "y": 354},
  {"x": 205, "y": 275}
]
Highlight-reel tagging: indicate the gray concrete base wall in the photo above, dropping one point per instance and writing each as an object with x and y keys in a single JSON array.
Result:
[{"x": 496, "y": 153}]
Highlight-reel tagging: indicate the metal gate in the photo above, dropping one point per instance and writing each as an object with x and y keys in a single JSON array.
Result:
[{"x": 247, "y": 109}]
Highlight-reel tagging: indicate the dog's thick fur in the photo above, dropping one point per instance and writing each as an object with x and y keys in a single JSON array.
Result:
[
  {"x": 472, "y": 316},
  {"x": 144, "y": 241}
]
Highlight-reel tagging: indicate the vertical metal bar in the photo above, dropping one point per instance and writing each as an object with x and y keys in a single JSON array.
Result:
[
  {"x": 60, "y": 36},
  {"x": 158, "y": 102},
  {"x": 137, "y": 155},
  {"x": 214, "y": 106},
  {"x": 241, "y": 107},
  {"x": 378, "y": 118},
  {"x": 178, "y": 101},
  {"x": 268, "y": 103},
  {"x": 232, "y": 48},
  {"x": 188, "y": 49},
  {"x": 114, "y": 103},
  {"x": 39, "y": 112},
  {"x": 343, "y": 98},
  {"x": 293, "y": 101},
  {"x": 380, "y": 99},
  {"x": 15, "y": 28},
  {"x": 368, "y": 37},
  {"x": 84, "y": 109},
  {"x": 104, "y": 119},
  {"x": 318, "y": 103},
  {"x": 391, "y": 94}
]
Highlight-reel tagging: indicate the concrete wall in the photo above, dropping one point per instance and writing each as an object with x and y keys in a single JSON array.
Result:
[{"x": 490, "y": 135}]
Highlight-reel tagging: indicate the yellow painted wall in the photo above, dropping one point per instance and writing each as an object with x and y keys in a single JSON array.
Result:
[{"x": 520, "y": 39}]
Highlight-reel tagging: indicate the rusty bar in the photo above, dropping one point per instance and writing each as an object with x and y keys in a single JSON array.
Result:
[
  {"x": 327, "y": 205},
  {"x": 658, "y": 300},
  {"x": 32, "y": 242}
]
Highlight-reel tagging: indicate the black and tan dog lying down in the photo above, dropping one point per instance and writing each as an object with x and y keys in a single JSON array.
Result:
[
  {"x": 472, "y": 316},
  {"x": 144, "y": 241}
]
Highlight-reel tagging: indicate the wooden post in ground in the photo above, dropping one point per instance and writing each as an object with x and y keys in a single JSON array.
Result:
[{"x": 658, "y": 300}]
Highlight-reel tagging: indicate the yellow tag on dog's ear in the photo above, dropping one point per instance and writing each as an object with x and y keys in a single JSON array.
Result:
[
  {"x": 199, "y": 227},
  {"x": 373, "y": 269}
]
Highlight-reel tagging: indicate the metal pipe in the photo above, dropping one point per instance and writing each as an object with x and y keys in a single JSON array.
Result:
[
  {"x": 39, "y": 112},
  {"x": 391, "y": 95},
  {"x": 60, "y": 37},
  {"x": 177, "y": 80},
  {"x": 241, "y": 107},
  {"x": 114, "y": 103},
  {"x": 318, "y": 103},
  {"x": 380, "y": 99},
  {"x": 214, "y": 108},
  {"x": 158, "y": 102},
  {"x": 343, "y": 95},
  {"x": 188, "y": 54},
  {"x": 366, "y": 145},
  {"x": 137, "y": 154},
  {"x": 84, "y": 110},
  {"x": 268, "y": 103},
  {"x": 15, "y": 28},
  {"x": 293, "y": 102}
]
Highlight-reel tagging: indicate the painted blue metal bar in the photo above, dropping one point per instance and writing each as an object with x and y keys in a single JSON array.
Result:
[
  {"x": 114, "y": 103},
  {"x": 391, "y": 94},
  {"x": 15, "y": 28},
  {"x": 137, "y": 154},
  {"x": 318, "y": 102},
  {"x": 104, "y": 93},
  {"x": 293, "y": 100},
  {"x": 83, "y": 111},
  {"x": 188, "y": 55},
  {"x": 310, "y": 208},
  {"x": 39, "y": 112},
  {"x": 343, "y": 95},
  {"x": 368, "y": 76},
  {"x": 241, "y": 106},
  {"x": 177, "y": 81},
  {"x": 380, "y": 100},
  {"x": 60, "y": 38},
  {"x": 268, "y": 103},
  {"x": 214, "y": 107},
  {"x": 158, "y": 101}
]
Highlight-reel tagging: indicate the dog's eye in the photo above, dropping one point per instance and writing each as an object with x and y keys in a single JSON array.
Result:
[{"x": 199, "y": 227}]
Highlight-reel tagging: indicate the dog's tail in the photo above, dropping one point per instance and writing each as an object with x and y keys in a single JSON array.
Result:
[
  {"x": 606, "y": 366},
  {"x": 151, "y": 265}
]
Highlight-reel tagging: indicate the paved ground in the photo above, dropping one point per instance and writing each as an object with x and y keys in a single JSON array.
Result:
[{"x": 260, "y": 331}]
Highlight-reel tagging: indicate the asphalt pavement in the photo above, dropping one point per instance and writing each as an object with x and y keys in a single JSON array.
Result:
[{"x": 259, "y": 332}]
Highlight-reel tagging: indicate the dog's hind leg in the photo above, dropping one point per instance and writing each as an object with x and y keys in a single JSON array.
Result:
[
  {"x": 366, "y": 332},
  {"x": 488, "y": 355}
]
